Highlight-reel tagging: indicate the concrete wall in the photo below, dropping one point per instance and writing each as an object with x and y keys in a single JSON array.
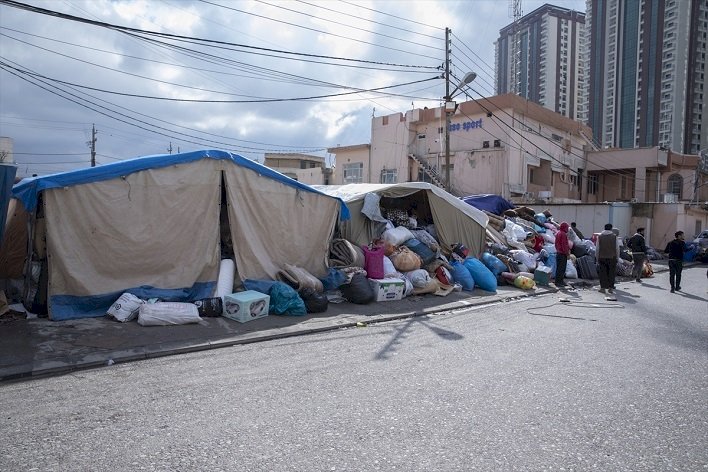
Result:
[{"x": 661, "y": 220}]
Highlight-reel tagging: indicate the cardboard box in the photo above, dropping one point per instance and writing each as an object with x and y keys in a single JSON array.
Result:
[
  {"x": 387, "y": 290},
  {"x": 246, "y": 306}
]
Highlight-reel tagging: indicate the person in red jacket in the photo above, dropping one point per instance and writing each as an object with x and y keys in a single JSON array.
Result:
[{"x": 562, "y": 253}]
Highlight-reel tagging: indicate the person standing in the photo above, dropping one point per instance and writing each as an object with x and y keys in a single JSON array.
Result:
[
  {"x": 576, "y": 230},
  {"x": 637, "y": 244},
  {"x": 606, "y": 254},
  {"x": 675, "y": 250},
  {"x": 562, "y": 253}
]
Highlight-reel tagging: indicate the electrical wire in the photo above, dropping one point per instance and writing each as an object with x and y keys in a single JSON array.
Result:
[
  {"x": 347, "y": 25},
  {"x": 115, "y": 27}
]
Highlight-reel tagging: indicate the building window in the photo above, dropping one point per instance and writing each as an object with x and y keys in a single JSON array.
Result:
[
  {"x": 353, "y": 173},
  {"x": 592, "y": 184},
  {"x": 389, "y": 176},
  {"x": 675, "y": 185}
]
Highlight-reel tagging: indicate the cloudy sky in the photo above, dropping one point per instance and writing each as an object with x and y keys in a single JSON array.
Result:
[{"x": 248, "y": 76}]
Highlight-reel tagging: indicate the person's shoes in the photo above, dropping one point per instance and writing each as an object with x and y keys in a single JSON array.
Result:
[
  {"x": 678, "y": 289},
  {"x": 638, "y": 280},
  {"x": 602, "y": 290},
  {"x": 672, "y": 290},
  {"x": 610, "y": 291}
]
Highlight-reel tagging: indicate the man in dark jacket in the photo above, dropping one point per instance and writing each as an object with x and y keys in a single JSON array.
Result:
[
  {"x": 675, "y": 250},
  {"x": 562, "y": 253},
  {"x": 607, "y": 253},
  {"x": 637, "y": 244}
]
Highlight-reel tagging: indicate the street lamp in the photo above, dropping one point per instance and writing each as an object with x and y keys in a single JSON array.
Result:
[{"x": 450, "y": 107}]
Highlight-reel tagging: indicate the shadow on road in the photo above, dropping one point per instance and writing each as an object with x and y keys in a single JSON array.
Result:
[
  {"x": 402, "y": 332},
  {"x": 692, "y": 297}
]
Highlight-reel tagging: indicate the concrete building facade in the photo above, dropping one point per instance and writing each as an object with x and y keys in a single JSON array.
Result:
[
  {"x": 304, "y": 168},
  {"x": 504, "y": 145},
  {"x": 541, "y": 58}
]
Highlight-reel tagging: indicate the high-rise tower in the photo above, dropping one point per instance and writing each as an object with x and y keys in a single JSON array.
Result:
[
  {"x": 539, "y": 57},
  {"x": 647, "y": 68}
]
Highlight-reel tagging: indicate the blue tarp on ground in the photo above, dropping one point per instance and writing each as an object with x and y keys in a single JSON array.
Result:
[
  {"x": 7, "y": 178},
  {"x": 28, "y": 189},
  {"x": 492, "y": 203}
]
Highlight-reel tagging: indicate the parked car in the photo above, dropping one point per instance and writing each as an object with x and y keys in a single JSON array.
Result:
[
  {"x": 701, "y": 240},
  {"x": 701, "y": 245}
]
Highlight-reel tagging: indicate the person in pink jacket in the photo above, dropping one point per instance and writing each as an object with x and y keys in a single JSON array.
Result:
[{"x": 562, "y": 253}]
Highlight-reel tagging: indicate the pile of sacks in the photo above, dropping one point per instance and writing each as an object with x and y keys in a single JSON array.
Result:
[{"x": 525, "y": 241}]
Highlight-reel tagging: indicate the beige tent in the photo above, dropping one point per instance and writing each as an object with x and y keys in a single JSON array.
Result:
[
  {"x": 151, "y": 226},
  {"x": 455, "y": 221}
]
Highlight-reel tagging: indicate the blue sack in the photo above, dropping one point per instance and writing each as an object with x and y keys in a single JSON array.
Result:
[
  {"x": 493, "y": 263},
  {"x": 551, "y": 262},
  {"x": 262, "y": 286},
  {"x": 284, "y": 300},
  {"x": 462, "y": 276},
  {"x": 482, "y": 276},
  {"x": 425, "y": 253},
  {"x": 334, "y": 279}
]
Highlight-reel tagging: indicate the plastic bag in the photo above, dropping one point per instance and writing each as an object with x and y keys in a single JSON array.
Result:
[
  {"x": 314, "y": 302},
  {"x": 419, "y": 278},
  {"x": 397, "y": 236},
  {"x": 284, "y": 300},
  {"x": 405, "y": 260},
  {"x": 167, "y": 313},
  {"x": 373, "y": 261},
  {"x": 462, "y": 276},
  {"x": 425, "y": 253},
  {"x": 334, "y": 279},
  {"x": 389, "y": 268},
  {"x": 483, "y": 277},
  {"x": 493, "y": 263},
  {"x": 359, "y": 290},
  {"x": 125, "y": 308},
  {"x": 524, "y": 282}
]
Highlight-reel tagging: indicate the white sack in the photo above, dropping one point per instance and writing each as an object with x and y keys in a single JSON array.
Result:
[
  {"x": 397, "y": 236},
  {"x": 125, "y": 308},
  {"x": 419, "y": 278},
  {"x": 516, "y": 232},
  {"x": 167, "y": 313},
  {"x": 570, "y": 271},
  {"x": 549, "y": 238},
  {"x": 525, "y": 257},
  {"x": 389, "y": 269}
]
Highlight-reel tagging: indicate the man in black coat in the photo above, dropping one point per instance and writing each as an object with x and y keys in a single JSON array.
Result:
[
  {"x": 637, "y": 244},
  {"x": 675, "y": 250}
]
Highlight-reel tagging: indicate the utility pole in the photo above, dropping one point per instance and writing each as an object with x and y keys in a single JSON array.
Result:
[
  {"x": 93, "y": 145},
  {"x": 169, "y": 149},
  {"x": 448, "y": 184}
]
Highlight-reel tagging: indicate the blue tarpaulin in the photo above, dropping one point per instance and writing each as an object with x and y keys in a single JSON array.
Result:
[
  {"x": 29, "y": 188},
  {"x": 492, "y": 203}
]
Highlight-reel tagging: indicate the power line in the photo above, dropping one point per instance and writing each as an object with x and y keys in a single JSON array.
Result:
[
  {"x": 346, "y": 25},
  {"x": 115, "y": 27},
  {"x": 190, "y": 100},
  {"x": 437, "y": 38},
  {"x": 318, "y": 31}
]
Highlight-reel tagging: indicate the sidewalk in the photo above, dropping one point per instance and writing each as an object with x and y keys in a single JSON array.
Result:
[{"x": 40, "y": 347}]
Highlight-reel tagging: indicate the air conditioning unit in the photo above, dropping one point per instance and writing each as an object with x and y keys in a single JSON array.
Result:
[
  {"x": 528, "y": 196},
  {"x": 544, "y": 194},
  {"x": 633, "y": 200}
]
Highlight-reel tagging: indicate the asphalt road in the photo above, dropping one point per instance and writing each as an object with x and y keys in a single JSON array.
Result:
[{"x": 533, "y": 385}]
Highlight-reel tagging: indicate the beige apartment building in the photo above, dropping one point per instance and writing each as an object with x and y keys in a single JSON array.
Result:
[
  {"x": 504, "y": 145},
  {"x": 304, "y": 168}
]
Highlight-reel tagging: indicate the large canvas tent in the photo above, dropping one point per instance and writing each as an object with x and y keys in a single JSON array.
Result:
[
  {"x": 454, "y": 220},
  {"x": 154, "y": 226}
]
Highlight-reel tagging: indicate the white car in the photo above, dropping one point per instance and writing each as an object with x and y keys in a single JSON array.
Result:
[{"x": 701, "y": 240}]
